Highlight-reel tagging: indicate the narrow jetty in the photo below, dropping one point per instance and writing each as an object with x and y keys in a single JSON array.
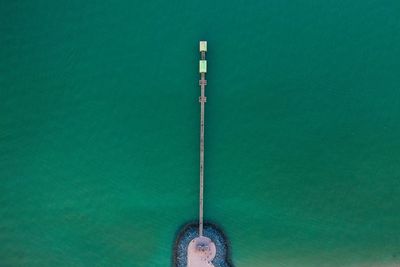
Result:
[
  {"x": 202, "y": 100},
  {"x": 202, "y": 245},
  {"x": 201, "y": 250}
]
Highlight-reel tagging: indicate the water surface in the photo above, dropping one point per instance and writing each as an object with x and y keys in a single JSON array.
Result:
[{"x": 99, "y": 128}]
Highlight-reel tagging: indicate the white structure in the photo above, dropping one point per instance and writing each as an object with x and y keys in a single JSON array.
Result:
[{"x": 203, "y": 46}]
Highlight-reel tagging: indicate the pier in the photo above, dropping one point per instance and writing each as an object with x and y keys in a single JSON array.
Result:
[
  {"x": 202, "y": 245},
  {"x": 201, "y": 250},
  {"x": 202, "y": 100}
]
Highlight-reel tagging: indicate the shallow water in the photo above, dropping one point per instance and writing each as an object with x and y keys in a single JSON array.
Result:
[{"x": 99, "y": 128}]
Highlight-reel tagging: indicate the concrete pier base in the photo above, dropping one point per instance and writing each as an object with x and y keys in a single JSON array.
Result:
[{"x": 200, "y": 253}]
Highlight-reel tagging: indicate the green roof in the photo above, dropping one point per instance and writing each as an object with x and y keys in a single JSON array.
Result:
[{"x": 203, "y": 66}]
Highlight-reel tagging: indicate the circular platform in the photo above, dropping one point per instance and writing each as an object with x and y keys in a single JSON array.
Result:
[
  {"x": 201, "y": 252},
  {"x": 211, "y": 248}
]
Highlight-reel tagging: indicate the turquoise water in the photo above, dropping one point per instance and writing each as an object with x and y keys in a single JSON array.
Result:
[{"x": 99, "y": 128}]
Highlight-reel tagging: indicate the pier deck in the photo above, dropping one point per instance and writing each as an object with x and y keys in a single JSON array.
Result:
[{"x": 202, "y": 100}]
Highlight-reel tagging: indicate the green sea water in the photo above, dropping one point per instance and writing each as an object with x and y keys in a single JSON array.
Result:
[{"x": 99, "y": 131}]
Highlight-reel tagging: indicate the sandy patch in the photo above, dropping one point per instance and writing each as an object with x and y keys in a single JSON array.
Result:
[{"x": 201, "y": 251}]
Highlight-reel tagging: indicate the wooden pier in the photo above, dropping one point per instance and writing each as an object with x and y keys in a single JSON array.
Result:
[{"x": 202, "y": 100}]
